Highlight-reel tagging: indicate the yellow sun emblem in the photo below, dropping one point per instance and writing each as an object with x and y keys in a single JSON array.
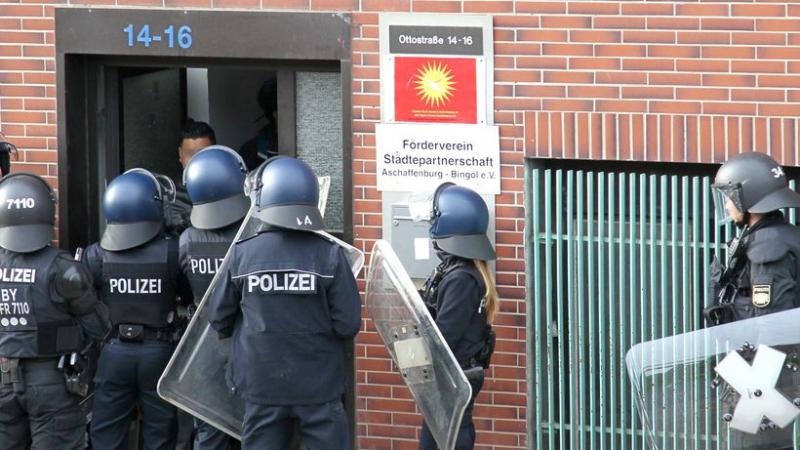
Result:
[{"x": 435, "y": 84}]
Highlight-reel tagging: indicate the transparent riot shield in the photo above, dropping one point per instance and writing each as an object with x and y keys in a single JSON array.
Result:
[
  {"x": 416, "y": 346},
  {"x": 194, "y": 379},
  {"x": 734, "y": 386}
]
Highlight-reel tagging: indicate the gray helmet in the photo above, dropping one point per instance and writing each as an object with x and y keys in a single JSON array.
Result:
[
  {"x": 755, "y": 183},
  {"x": 27, "y": 215}
]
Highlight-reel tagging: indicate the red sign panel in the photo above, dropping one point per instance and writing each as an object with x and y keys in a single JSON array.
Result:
[{"x": 435, "y": 90}]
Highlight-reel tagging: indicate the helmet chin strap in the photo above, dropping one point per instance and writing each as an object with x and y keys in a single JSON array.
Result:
[{"x": 745, "y": 220}]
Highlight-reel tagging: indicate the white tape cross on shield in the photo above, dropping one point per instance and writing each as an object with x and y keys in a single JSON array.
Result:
[{"x": 756, "y": 385}]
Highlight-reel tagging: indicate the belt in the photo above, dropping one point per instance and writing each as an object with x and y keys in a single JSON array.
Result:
[
  {"x": 37, "y": 363},
  {"x": 148, "y": 334}
]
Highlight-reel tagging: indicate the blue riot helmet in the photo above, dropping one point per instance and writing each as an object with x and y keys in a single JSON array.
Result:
[
  {"x": 27, "y": 213},
  {"x": 459, "y": 220},
  {"x": 214, "y": 180},
  {"x": 133, "y": 208},
  {"x": 286, "y": 194}
]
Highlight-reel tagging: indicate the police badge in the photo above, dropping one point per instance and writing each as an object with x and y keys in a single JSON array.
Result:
[{"x": 762, "y": 295}]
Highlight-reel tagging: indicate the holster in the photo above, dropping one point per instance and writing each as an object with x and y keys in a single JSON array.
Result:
[
  {"x": 718, "y": 314},
  {"x": 77, "y": 377},
  {"x": 11, "y": 373}
]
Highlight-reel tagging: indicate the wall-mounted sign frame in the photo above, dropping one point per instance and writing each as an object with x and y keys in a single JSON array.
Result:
[{"x": 436, "y": 68}]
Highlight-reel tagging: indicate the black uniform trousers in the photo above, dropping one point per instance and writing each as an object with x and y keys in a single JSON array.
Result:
[
  {"x": 466, "y": 432},
  {"x": 209, "y": 437},
  {"x": 270, "y": 427},
  {"x": 127, "y": 375},
  {"x": 44, "y": 416}
]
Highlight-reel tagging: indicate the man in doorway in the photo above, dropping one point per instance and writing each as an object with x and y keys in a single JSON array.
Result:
[
  {"x": 265, "y": 144},
  {"x": 195, "y": 136}
]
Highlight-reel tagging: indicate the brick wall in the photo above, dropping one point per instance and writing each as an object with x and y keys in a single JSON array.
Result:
[{"x": 629, "y": 67}]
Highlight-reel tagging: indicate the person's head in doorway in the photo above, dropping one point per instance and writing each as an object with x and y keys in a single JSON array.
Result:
[{"x": 195, "y": 136}]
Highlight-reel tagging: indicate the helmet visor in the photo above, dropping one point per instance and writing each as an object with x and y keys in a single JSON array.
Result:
[{"x": 722, "y": 195}]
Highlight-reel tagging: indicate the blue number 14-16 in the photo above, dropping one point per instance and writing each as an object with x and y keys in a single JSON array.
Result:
[{"x": 183, "y": 36}]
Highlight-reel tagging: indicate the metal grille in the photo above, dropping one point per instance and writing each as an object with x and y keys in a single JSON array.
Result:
[{"x": 614, "y": 259}]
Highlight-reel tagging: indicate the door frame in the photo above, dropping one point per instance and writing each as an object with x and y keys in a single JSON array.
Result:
[
  {"x": 90, "y": 42},
  {"x": 87, "y": 52}
]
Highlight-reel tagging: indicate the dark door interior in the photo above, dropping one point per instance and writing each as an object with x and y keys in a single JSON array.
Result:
[{"x": 152, "y": 106}]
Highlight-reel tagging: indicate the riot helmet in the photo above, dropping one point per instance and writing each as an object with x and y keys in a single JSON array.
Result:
[
  {"x": 754, "y": 183},
  {"x": 214, "y": 180},
  {"x": 459, "y": 219},
  {"x": 133, "y": 206},
  {"x": 285, "y": 193},
  {"x": 27, "y": 215}
]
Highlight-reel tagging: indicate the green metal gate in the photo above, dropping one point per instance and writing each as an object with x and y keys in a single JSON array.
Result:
[{"x": 614, "y": 258}]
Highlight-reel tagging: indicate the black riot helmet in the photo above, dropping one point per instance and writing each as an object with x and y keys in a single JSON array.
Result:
[
  {"x": 285, "y": 193},
  {"x": 27, "y": 215},
  {"x": 134, "y": 211},
  {"x": 459, "y": 219},
  {"x": 755, "y": 183}
]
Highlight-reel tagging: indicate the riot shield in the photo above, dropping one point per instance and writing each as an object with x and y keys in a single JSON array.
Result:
[
  {"x": 734, "y": 386},
  {"x": 416, "y": 346},
  {"x": 194, "y": 379}
]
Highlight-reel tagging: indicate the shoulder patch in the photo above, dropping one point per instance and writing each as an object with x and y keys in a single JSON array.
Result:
[{"x": 762, "y": 295}]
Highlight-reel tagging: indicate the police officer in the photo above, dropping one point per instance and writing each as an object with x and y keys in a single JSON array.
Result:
[
  {"x": 761, "y": 275},
  {"x": 214, "y": 180},
  {"x": 461, "y": 291},
  {"x": 290, "y": 301},
  {"x": 48, "y": 308},
  {"x": 138, "y": 277},
  {"x": 265, "y": 144}
]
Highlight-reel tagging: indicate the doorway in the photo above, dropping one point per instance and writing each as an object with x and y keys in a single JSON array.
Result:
[{"x": 122, "y": 105}]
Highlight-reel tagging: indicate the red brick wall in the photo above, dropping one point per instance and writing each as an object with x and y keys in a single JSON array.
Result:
[{"x": 620, "y": 65}]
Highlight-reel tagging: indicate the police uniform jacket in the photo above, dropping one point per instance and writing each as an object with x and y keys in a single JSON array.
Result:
[
  {"x": 458, "y": 300},
  {"x": 768, "y": 283},
  {"x": 290, "y": 301},
  {"x": 142, "y": 285},
  {"x": 48, "y": 305},
  {"x": 201, "y": 255}
]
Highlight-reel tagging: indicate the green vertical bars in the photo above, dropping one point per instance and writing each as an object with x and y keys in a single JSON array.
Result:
[
  {"x": 628, "y": 408},
  {"x": 621, "y": 302},
  {"x": 697, "y": 295},
  {"x": 602, "y": 269},
  {"x": 567, "y": 328},
  {"x": 534, "y": 277},
  {"x": 548, "y": 304},
  {"x": 581, "y": 301},
  {"x": 591, "y": 195},
  {"x": 617, "y": 259},
  {"x": 644, "y": 296},
  {"x": 559, "y": 330}
]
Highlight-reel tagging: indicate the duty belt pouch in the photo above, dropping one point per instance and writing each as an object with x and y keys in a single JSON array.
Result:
[
  {"x": 131, "y": 333},
  {"x": 11, "y": 373}
]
